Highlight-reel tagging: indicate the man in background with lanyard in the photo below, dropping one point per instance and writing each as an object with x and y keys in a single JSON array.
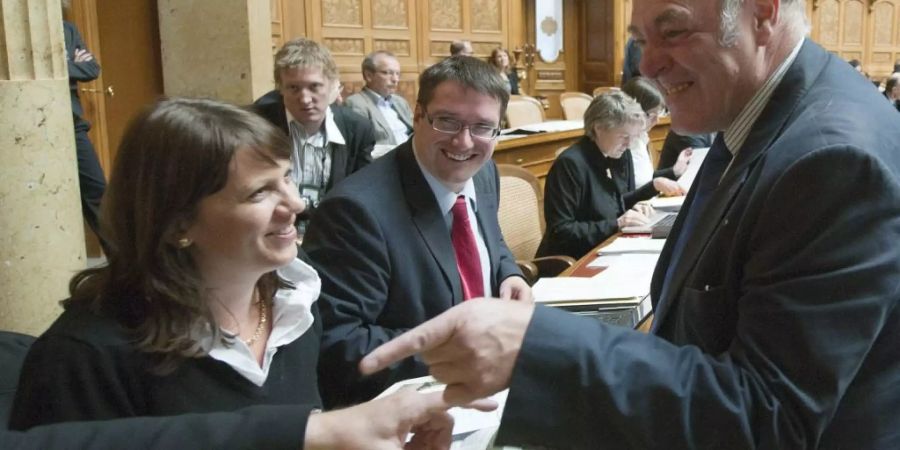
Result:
[{"x": 329, "y": 142}]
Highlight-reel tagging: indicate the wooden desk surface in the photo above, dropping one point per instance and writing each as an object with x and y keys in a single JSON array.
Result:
[{"x": 581, "y": 269}]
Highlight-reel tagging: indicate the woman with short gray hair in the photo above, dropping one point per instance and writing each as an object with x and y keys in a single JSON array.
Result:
[{"x": 586, "y": 196}]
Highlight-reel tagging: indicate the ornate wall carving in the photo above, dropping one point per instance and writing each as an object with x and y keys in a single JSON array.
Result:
[
  {"x": 484, "y": 48},
  {"x": 342, "y": 12},
  {"x": 854, "y": 14},
  {"x": 883, "y": 28},
  {"x": 396, "y": 46},
  {"x": 389, "y": 14},
  {"x": 446, "y": 15},
  {"x": 343, "y": 47},
  {"x": 829, "y": 15},
  {"x": 486, "y": 15}
]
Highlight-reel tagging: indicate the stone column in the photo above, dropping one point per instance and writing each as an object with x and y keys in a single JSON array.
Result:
[
  {"x": 41, "y": 230},
  {"x": 216, "y": 49}
]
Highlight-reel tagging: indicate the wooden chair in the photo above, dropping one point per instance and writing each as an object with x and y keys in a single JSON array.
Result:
[
  {"x": 523, "y": 110},
  {"x": 604, "y": 89},
  {"x": 574, "y": 104},
  {"x": 521, "y": 216}
]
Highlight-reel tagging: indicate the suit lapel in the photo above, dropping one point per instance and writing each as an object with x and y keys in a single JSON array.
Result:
[
  {"x": 376, "y": 115},
  {"x": 427, "y": 217},
  {"x": 764, "y": 131},
  {"x": 486, "y": 194},
  {"x": 338, "y": 151},
  {"x": 399, "y": 105}
]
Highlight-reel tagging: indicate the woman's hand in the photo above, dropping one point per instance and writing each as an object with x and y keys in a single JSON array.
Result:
[
  {"x": 684, "y": 158},
  {"x": 632, "y": 218},
  {"x": 667, "y": 187}
]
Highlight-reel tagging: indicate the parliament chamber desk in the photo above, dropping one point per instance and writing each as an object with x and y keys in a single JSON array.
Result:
[
  {"x": 536, "y": 152},
  {"x": 581, "y": 269}
]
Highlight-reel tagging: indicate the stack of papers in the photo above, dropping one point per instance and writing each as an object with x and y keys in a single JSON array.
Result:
[
  {"x": 633, "y": 245},
  {"x": 625, "y": 282},
  {"x": 667, "y": 204}
]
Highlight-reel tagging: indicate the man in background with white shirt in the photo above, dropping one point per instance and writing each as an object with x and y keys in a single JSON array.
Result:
[{"x": 390, "y": 113}]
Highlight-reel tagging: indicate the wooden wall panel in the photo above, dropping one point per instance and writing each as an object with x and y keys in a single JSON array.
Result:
[
  {"x": 859, "y": 29},
  {"x": 598, "y": 56},
  {"x": 420, "y": 33}
]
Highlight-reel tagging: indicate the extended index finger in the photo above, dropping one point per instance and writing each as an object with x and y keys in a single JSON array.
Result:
[{"x": 424, "y": 337}]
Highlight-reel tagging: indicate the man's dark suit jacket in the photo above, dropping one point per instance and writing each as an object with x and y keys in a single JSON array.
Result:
[
  {"x": 780, "y": 328},
  {"x": 584, "y": 195},
  {"x": 78, "y": 72},
  {"x": 358, "y": 134},
  {"x": 383, "y": 250}
]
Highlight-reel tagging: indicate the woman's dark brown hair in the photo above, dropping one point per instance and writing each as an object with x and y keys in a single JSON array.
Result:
[{"x": 173, "y": 154}]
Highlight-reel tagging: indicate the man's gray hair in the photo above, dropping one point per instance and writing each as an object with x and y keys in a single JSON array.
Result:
[
  {"x": 792, "y": 11},
  {"x": 302, "y": 52},
  {"x": 368, "y": 63},
  {"x": 612, "y": 110}
]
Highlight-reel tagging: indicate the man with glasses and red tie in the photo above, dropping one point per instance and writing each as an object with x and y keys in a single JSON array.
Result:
[{"x": 415, "y": 233}]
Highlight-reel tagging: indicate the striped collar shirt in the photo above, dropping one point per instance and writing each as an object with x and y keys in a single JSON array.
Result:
[
  {"x": 736, "y": 133},
  {"x": 311, "y": 155}
]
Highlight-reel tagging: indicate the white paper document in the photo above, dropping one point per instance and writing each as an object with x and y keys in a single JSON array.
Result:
[
  {"x": 633, "y": 245},
  {"x": 627, "y": 277},
  {"x": 667, "y": 204},
  {"x": 687, "y": 178}
]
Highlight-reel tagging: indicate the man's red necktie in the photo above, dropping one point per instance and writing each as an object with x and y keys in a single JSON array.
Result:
[{"x": 467, "y": 260}]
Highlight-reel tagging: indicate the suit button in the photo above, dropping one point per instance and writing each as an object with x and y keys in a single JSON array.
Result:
[{"x": 706, "y": 288}]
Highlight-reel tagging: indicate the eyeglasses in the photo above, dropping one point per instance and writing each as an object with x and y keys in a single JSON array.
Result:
[
  {"x": 388, "y": 73},
  {"x": 452, "y": 126}
]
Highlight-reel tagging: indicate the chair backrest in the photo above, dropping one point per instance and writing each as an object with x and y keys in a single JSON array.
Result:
[
  {"x": 604, "y": 89},
  {"x": 521, "y": 212},
  {"x": 574, "y": 104},
  {"x": 523, "y": 110}
]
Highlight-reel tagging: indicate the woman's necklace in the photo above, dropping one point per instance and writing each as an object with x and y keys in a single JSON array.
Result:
[{"x": 262, "y": 322}]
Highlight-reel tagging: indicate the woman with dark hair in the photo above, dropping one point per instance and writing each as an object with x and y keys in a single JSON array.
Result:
[
  {"x": 500, "y": 61},
  {"x": 651, "y": 182},
  {"x": 203, "y": 305}
]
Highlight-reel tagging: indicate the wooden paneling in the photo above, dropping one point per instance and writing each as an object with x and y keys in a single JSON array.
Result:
[
  {"x": 598, "y": 53},
  {"x": 419, "y": 33},
  {"x": 856, "y": 29}
]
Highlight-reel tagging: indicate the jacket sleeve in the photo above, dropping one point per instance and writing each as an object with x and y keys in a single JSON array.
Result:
[
  {"x": 563, "y": 193},
  {"x": 274, "y": 427},
  {"x": 814, "y": 300},
  {"x": 347, "y": 247},
  {"x": 79, "y": 71},
  {"x": 363, "y": 142},
  {"x": 645, "y": 192},
  {"x": 64, "y": 379}
]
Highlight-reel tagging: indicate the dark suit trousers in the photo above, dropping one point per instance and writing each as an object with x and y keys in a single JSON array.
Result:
[{"x": 90, "y": 180}]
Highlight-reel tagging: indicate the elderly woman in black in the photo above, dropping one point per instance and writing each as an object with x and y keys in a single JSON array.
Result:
[
  {"x": 590, "y": 191},
  {"x": 203, "y": 305}
]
